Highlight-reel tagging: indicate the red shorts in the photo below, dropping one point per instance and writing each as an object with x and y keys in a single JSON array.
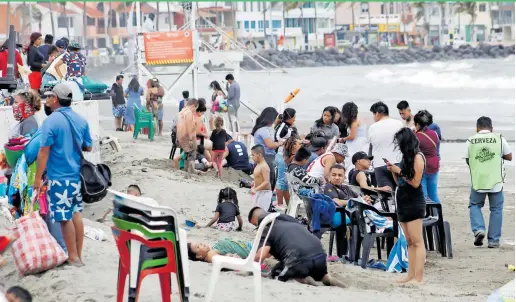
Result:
[
  {"x": 218, "y": 151},
  {"x": 35, "y": 79}
]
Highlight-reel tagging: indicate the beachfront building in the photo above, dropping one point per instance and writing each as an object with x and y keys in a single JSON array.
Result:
[{"x": 296, "y": 27}]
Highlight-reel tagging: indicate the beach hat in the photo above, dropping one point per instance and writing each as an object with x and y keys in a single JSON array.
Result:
[
  {"x": 360, "y": 155},
  {"x": 340, "y": 149},
  {"x": 74, "y": 45},
  {"x": 62, "y": 91},
  {"x": 317, "y": 143}
]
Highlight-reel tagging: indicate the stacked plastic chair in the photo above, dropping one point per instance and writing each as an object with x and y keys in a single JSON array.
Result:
[
  {"x": 143, "y": 119},
  {"x": 149, "y": 241}
]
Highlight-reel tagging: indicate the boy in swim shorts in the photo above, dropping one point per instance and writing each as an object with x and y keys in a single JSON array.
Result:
[{"x": 262, "y": 185}]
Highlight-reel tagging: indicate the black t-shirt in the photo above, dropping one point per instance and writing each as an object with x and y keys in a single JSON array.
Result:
[
  {"x": 219, "y": 139},
  {"x": 289, "y": 239},
  {"x": 353, "y": 178},
  {"x": 227, "y": 212},
  {"x": 342, "y": 192},
  {"x": 118, "y": 98}
]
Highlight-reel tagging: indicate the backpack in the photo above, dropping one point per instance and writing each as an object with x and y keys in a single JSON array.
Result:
[{"x": 95, "y": 179}]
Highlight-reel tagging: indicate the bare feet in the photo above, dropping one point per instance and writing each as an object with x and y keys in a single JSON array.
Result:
[
  {"x": 414, "y": 281},
  {"x": 404, "y": 280},
  {"x": 101, "y": 220},
  {"x": 76, "y": 263}
]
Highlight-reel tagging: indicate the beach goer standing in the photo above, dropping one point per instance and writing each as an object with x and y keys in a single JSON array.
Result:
[
  {"x": 133, "y": 93},
  {"x": 26, "y": 104},
  {"x": 282, "y": 160},
  {"x": 486, "y": 152},
  {"x": 233, "y": 94},
  {"x": 118, "y": 102},
  {"x": 227, "y": 214},
  {"x": 264, "y": 136},
  {"x": 406, "y": 114},
  {"x": 410, "y": 200},
  {"x": 380, "y": 136},
  {"x": 217, "y": 94},
  {"x": 285, "y": 127},
  {"x": 356, "y": 140},
  {"x": 36, "y": 61},
  {"x": 320, "y": 167},
  {"x": 75, "y": 63},
  {"x": 325, "y": 124},
  {"x": 186, "y": 130},
  {"x": 428, "y": 143},
  {"x": 262, "y": 189},
  {"x": 218, "y": 137},
  {"x": 61, "y": 134},
  {"x": 155, "y": 93},
  {"x": 45, "y": 48},
  {"x": 4, "y": 54},
  {"x": 182, "y": 103}
]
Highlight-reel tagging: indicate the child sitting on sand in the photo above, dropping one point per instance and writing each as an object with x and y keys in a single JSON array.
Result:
[{"x": 226, "y": 212}]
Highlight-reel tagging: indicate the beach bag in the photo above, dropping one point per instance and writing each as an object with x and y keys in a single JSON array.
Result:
[
  {"x": 95, "y": 179},
  {"x": 93, "y": 86},
  {"x": 35, "y": 250}
]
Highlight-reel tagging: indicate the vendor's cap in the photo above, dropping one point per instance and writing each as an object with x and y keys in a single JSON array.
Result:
[
  {"x": 360, "y": 155},
  {"x": 317, "y": 143},
  {"x": 62, "y": 91},
  {"x": 74, "y": 45},
  {"x": 340, "y": 149}
]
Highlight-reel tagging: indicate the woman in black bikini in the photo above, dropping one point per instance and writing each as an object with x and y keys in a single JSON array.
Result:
[{"x": 410, "y": 201}]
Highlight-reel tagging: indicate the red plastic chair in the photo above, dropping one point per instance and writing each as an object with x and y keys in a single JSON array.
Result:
[{"x": 122, "y": 239}]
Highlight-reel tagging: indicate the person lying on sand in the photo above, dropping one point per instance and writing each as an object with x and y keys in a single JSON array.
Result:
[
  {"x": 18, "y": 294},
  {"x": 198, "y": 251},
  {"x": 133, "y": 190},
  {"x": 227, "y": 212},
  {"x": 300, "y": 254}
]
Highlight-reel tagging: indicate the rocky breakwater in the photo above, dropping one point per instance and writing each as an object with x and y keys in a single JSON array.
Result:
[{"x": 372, "y": 55}]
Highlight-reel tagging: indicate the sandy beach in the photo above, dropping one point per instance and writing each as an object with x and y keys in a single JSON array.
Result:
[{"x": 471, "y": 275}]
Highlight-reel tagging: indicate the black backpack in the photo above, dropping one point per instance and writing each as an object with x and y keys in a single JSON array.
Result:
[{"x": 95, "y": 179}]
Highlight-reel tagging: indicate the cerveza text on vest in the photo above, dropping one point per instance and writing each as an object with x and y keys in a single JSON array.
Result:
[{"x": 483, "y": 140}]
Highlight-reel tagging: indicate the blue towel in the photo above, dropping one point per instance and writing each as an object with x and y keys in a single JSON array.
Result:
[
  {"x": 323, "y": 210},
  {"x": 398, "y": 258}
]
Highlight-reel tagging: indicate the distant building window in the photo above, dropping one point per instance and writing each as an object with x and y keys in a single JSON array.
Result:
[
  {"x": 267, "y": 24},
  {"x": 245, "y": 6},
  {"x": 246, "y": 25},
  {"x": 64, "y": 22},
  {"x": 251, "y": 4},
  {"x": 123, "y": 19},
  {"x": 308, "y": 4},
  {"x": 113, "y": 19},
  {"x": 260, "y": 24},
  {"x": 238, "y": 24},
  {"x": 276, "y": 24},
  {"x": 253, "y": 24},
  {"x": 90, "y": 21},
  {"x": 482, "y": 7},
  {"x": 101, "y": 42}
]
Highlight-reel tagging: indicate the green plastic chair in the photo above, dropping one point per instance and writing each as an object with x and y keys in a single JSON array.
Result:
[{"x": 143, "y": 119}]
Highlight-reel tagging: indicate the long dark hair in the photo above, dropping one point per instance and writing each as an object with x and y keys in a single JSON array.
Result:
[
  {"x": 332, "y": 110},
  {"x": 266, "y": 119},
  {"x": 287, "y": 148},
  {"x": 227, "y": 194},
  {"x": 134, "y": 85},
  {"x": 424, "y": 119},
  {"x": 408, "y": 144},
  {"x": 33, "y": 38},
  {"x": 215, "y": 85},
  {"x": 349, "y": 114}
]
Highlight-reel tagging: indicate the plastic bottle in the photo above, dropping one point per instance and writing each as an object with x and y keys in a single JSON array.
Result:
[{"x": 510, "y": 267}]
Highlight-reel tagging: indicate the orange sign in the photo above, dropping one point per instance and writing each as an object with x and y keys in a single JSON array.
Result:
[
  {"x": 168, "y": 48},
  {"x": 329, "y": 40}
]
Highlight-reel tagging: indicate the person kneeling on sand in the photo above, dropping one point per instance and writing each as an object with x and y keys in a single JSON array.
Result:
[
  {"x": 133, "y": 190},
  {"x": 262, "y": 183},
  {"x": 300, "y": 254},
  {"x": 226, "y": 212}
]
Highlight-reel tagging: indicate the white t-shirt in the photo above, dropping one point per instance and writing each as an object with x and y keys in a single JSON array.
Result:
[
  {"x": 506, "y": 150},
  {"x": 381, "y": 136}
]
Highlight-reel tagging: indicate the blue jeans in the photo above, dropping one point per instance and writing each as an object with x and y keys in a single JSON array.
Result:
[
  {"x": 476, "y": 203},
  {"x": 429, "y": 184},
  {"x": 55, "y": 230}
]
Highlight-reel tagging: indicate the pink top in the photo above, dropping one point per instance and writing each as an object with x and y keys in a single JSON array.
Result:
[{"x": 428, "y": 142}]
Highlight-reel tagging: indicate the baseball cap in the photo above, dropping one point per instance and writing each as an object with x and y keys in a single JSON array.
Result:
[
  {"x": 61, "y": 44},
  {"x": 340, "y": 149},
  {"x": 317, "y": 143},
  {"x": 360, "y": 155},
  {"x": 62, "y": 91}
]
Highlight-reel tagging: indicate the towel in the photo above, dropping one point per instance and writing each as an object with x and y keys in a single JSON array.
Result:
[
  {"x": 323, "y": 210},
  {"x": 398, "y": 258}
]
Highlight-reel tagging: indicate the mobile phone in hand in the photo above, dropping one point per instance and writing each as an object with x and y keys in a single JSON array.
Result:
[{"x": 386, "y": 160}]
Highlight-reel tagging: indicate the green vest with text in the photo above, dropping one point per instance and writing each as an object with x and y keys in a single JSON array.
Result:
[{"x": 485, "y": 160}]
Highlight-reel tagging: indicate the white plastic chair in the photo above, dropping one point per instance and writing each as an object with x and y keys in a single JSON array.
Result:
[
  {"x": 295, "y": 202},
  {"x": 112, "y": 142},
  {"x": 248, "y": 264}
]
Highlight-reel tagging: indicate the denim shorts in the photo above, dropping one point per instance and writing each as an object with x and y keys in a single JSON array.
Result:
[
  {"x": 65, "y": 199},
  {"x": 281, "y": 166}
]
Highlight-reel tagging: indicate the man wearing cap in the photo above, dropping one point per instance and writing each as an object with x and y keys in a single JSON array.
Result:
[
  {"x": 359, "y": 176},
  {"x": 62, "y": 133},
  {"x": 320, "y": 167},
  {"x": 317, "y": 147}
]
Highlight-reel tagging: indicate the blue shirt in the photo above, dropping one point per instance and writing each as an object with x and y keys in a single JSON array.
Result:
[
  {"x": 259, "y": 139},
  {"x": 238, "y": 158},
  {"x": 181, "y": 105},
  {"x": 437, "y": 130},
  {"x": 64, "y": 159}
]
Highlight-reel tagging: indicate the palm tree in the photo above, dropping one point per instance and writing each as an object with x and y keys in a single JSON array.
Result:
[
  {"x": 169, "y": 17},
  {"x": 469, "y": 8},
  {"x": 421, "y": 14},
  {"x": 63, "y": 5}
]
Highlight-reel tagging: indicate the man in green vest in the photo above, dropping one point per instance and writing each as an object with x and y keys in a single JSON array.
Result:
[{"x": 486, "y": 152}]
